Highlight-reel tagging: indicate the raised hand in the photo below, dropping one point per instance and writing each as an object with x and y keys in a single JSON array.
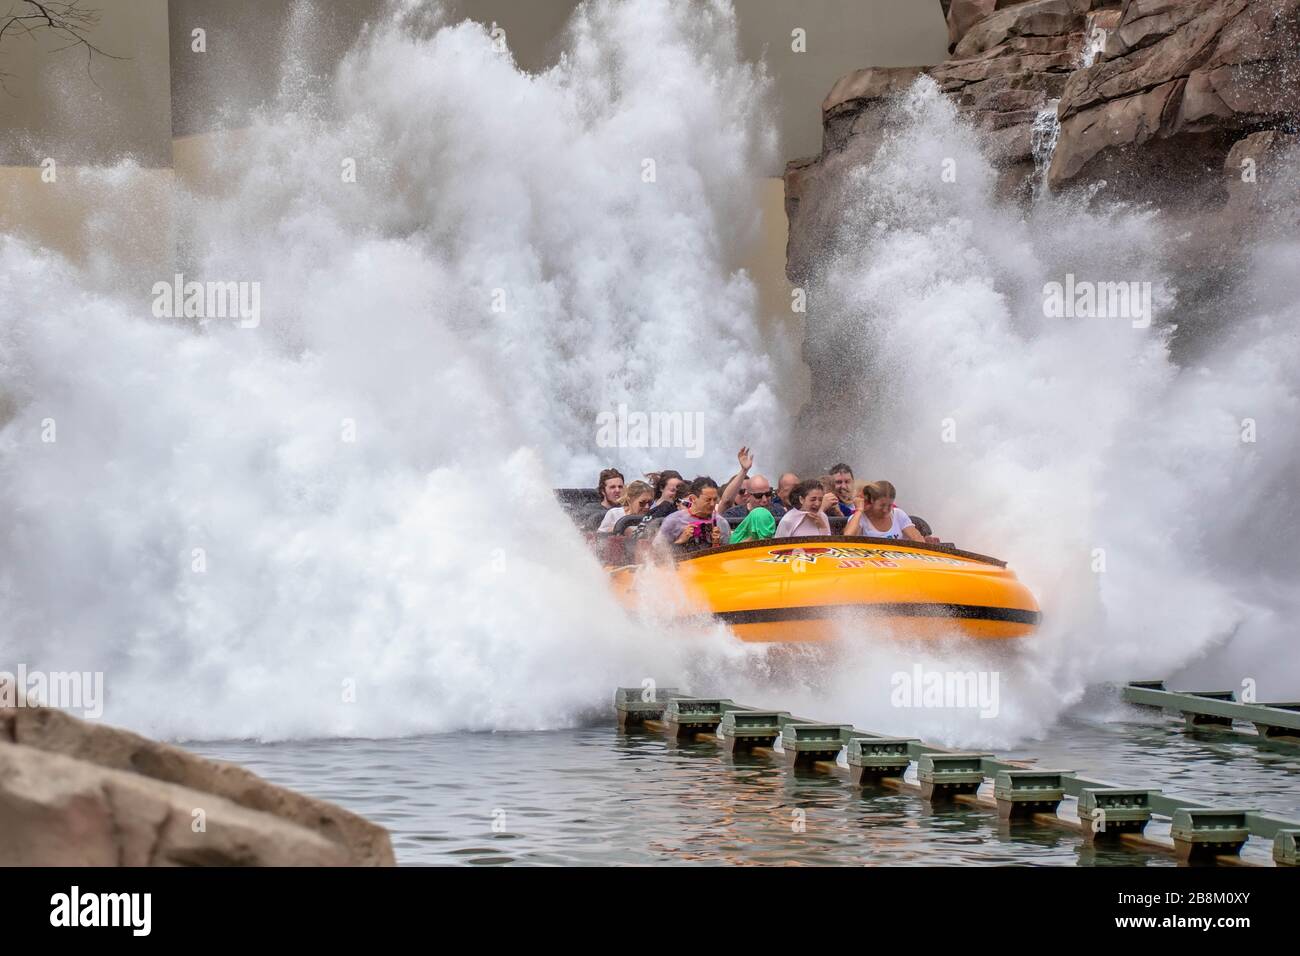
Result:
[{"x": 745, "y": 458}]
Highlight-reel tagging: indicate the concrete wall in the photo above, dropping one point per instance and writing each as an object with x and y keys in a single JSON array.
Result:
[{"x": 107, "y": 109}]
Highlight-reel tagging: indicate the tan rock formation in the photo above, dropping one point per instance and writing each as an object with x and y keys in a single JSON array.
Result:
[
  {"x": 1174, "y": 86},
  {"x": 1177, "y": 85},
  {"x": 77, "y": 783}
]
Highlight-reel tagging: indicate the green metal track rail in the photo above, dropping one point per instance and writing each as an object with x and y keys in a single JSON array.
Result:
[{"x": 1106, "y": 810}]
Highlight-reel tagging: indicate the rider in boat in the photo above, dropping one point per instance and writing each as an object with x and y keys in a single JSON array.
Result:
[
  {"x": 667, "y": 488},
  {"x": 635, "y": 501},
  {"x": 878, "y": 517},
  {"x": 610, "y": 486},
  {"x": 696, "y": 526},
  {"x": 805, "y": 516},
  {"x": 758, "y": 525},
  {"x": 836, "y": 502},
  {"x": 781, "y": 500}
]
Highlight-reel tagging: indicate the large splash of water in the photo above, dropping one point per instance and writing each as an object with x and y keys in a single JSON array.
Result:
[
  {"x": 339, "y": 522},
  {"x": 1142, "y": 498},
  {"x": 373, "y": 569}
]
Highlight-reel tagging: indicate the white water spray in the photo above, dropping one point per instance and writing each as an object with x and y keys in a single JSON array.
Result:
[
  {"x": 1117, "y": 483},
  {"x": 423, "y": 569},
  {"x": 340, "y": 522}
]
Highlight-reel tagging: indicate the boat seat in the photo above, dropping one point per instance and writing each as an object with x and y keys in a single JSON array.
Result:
[{"x": 628, "y": 521}]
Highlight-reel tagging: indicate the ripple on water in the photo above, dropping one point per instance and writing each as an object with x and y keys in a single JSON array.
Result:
[{"x": 596, "y": 796}]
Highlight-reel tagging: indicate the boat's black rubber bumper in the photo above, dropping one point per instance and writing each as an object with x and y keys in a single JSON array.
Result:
[{"x": 970, "y": 612}]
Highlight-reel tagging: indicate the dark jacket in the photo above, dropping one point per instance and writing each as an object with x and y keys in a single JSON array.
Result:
[{"x": 738, "y": 513}]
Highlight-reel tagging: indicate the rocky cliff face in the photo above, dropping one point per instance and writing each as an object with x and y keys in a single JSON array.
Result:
[
  {"x": 1175, "y": 86},
  {"x": 74, "y": 793},
  {"x": 1155, "y": 97}
]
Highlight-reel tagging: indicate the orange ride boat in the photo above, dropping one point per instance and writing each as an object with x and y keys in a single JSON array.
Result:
[{"x": 814, "y": 589}]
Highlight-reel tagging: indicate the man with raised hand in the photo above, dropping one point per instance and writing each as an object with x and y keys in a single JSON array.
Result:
[
  {"x": 731, "y": 493},
  {"x": 760, "y": 496}
]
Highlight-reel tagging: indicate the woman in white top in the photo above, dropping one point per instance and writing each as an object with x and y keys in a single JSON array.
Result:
[
  {"x": 877, "y": 517},
  {"x": 635, "y": 501},
  {"x": 805, "y": 518}
]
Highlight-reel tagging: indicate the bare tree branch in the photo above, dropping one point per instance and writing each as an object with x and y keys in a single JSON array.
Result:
[{"x": 62, "y": 18}]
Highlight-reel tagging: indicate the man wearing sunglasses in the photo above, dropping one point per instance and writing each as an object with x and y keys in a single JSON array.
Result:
[{"x": 760, "y": 496}]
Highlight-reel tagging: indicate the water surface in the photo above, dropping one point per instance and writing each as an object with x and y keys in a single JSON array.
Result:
[{"x": 597, "y": 795}]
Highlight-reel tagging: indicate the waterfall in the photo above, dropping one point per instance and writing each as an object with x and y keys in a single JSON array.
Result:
[
  {"x": 1094, "y": 42},
  {"x": 1044, "y": 135}
]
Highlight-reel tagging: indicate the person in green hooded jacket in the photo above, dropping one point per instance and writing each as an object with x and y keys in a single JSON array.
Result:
[{"x": 757, "y": 526}]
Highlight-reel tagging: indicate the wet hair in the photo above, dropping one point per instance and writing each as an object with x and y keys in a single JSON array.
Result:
[
  {"x": 662, "y": 479},
  {"x": 632, "y": 491},
  {"x": 605, "y": 475},
  {"x": 702, "y": 482},
  {"x": 803, "y": 490},
  {"x": 879, "y": 489},
  {"x": 828, "y": 484},
  {"x": 841, "y": 467}
]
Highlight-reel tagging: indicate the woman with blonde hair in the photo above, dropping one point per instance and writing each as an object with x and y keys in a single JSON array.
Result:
[
  {"x": 877, "y": 517},
  {"x": 636, "y": 500}
]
